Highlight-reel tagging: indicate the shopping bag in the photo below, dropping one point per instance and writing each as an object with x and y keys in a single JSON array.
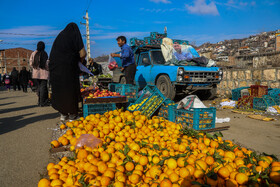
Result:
[{"x": 112, "y": 63}]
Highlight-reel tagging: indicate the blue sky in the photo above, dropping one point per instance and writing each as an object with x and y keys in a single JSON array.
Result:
[{"x": 24, "y": 23}]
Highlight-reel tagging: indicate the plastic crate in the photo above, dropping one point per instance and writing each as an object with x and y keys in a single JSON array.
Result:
[
  {"x": 262, "y": 103},
  {"x": 112, "y": 87},
  {"x": 181, "y": 42},
  {"x": 245, "y": 102},
  {"x": 156, "y": 35},
  {"x": 99, "y": 108},
  {"x": 273, "y": 92},
  {"x": 136, "y": 42},
  {"x": 150, "y": 100},
  {"x": 236, "y": 93},
  {"x": 128, "y": 90},
  {"x": 258, "y": 90},
  {"x": 196, "y": 118},
  {"x": 151, "y": 41},
  {"x": 164, "y": 108}
]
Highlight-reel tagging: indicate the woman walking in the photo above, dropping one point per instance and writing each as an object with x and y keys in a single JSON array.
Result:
[
  {"x": 66, "y": 53},
  {"x": 40, "y": 73}
]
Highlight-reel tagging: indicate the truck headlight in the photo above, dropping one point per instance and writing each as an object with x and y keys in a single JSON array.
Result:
[
  {"x": 180, "y": 78},
  {"x": 180, "y": 72}
]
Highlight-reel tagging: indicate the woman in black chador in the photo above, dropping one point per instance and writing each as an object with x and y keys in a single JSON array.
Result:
[{"x": 66, "y": 53}]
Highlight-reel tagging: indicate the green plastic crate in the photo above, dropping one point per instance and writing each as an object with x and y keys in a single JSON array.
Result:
[{"x": 99, "y": 108}]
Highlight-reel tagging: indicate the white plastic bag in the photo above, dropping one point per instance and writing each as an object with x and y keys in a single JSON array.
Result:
[{"x": 191, "y": 101}]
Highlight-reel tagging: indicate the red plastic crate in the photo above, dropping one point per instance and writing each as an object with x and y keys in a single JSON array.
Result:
[
  {"x": 258, "y": 90},
  {"x": 245, "y": 102}
]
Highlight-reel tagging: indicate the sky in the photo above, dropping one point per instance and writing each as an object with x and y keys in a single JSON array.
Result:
[{"x": 24, "y": 23}]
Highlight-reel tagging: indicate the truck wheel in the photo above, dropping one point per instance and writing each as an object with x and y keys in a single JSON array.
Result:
[
  {"x": 165, "y": 86},
  {"x": 123, "y": 81}
]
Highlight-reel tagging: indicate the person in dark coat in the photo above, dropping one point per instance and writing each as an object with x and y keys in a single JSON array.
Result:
[
  {"x": 94, "y": 67},
  {"x": 24, "y": 78},
  {"x": 66, "y": 53},
  {"x": 15, "y": 79}
]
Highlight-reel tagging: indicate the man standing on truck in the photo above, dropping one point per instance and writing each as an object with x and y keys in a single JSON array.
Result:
[{"x": 127, "y": 57}]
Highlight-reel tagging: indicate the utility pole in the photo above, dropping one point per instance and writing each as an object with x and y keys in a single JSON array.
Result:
[{"x": 87, "y": 36}]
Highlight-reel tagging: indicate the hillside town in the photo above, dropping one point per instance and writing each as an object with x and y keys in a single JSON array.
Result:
[{"x": 229, "y": 53}]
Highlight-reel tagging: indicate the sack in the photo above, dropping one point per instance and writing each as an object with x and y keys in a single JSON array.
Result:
[
  {"x": 191, "y": 101},
  {"x": 112, "y": 63}
]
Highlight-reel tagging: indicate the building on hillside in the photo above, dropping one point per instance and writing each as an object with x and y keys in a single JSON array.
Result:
[
  {"x": 277, "y": 41},
  {"x": 14, "y": 57}
]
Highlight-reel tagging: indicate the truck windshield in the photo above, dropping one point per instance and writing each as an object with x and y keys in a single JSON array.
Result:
[{"x": 157, "y": 57}]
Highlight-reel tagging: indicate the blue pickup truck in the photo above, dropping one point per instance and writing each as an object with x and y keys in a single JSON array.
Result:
[{"x": 171, "y": 79}]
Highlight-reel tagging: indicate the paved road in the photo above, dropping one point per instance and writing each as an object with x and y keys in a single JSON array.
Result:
[
  {"x": 26, "y": 131},
  {"x": 25, "y": 134}
]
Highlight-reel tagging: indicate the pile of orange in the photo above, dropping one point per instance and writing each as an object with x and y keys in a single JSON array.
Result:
[{"x": 138, "y": 151}]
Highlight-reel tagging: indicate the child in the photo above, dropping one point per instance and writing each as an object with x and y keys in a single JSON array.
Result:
[{"x": 7, "y": 81}]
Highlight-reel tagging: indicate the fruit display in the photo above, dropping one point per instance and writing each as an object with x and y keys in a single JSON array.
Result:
[
  {"x": 163, "y": 111},
  {"x": 105, "y": 76},
  {"x": 104, "y": 93},
  {"x": 141, "y": 151}
]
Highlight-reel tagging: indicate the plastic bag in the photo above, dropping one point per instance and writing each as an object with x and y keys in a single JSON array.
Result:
[
  {"x": 191, "y": 101},
  {"x": 112, "y": 63},
  {"x": 88, "y": 140}
]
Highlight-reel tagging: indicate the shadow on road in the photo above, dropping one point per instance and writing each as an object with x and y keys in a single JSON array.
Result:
[
  {"x": 16, "y": 122},
  {"x": 7, "y": 103},
  {"x": 17, "y": 109}
]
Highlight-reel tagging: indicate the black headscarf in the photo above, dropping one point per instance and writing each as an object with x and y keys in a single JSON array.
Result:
[{"x": 41, "y": 56}]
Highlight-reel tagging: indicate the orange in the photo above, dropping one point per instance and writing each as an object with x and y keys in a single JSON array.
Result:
[
  {"x": 102, "y": 167},
  {"x": 209, "y": 160},
  {"x": 129, "y": 166},
  {"x": 143, "y": 160},
  {"x": 184, "y": 172},
  {"x": 211, "y": 182},
  {"x": 134, "y": 178},
  {"x": 44, "y": 183},
  {"x": 155, "y": 171},
  {"x": 200, "y": 164},
  {"x": 62, "y": 126},
  {"x": 109, "y": 173},
  {"x": 190, "y": 168},
  {"x": 54, "y": 143},
  {"x": 105, "y": 156},
  {"x": 214, "y": 144},
  {"x": 275, "y": 164},
  {"x": 181, "y": 162},
  {"x": 231, "y": 183},
  {"x": 233, "y": 174},
  {"x": 171, "y": 163},
  {"x": 56, "y": 182},
  {"x": 275, "y": 177},
  {"x": 224, "y": 172},
  {"x": 50, "y": 166},
  {"x": 174, "y": 177},
  {"x": 105, "y": 181},
  {"x": 275, "y": 168},
  {"x": 165, "y": 183},
  {"x": 198, "y": 173},
  {"x": 118, "y": 184},
  {"x": 82, "y": 153},
  {"x": 264, "y": 164},
  {"x": 241, "y": 178}
]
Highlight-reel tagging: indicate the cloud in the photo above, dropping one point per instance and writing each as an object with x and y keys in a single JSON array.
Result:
[
  {"x": 154, "y": 10},
  {"x": 98, "y": 26},
  {"x": 236, "y": 4},
  {"x": 114, "y": 35},
  {"x": 202, "y": 8},
  {"x": 29, "y": 32},
  {"x": 161, "y": 1}
]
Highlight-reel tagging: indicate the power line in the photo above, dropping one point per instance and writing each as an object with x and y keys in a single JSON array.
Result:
[{"x": 89, "y": 4}]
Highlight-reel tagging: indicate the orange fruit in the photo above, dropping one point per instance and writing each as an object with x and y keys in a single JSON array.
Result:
[
  {"x": 109, "y": 173},
  {"x": 105, "y": 181},
  {"x": 211, "y": 182},
  {"x": 105, "y": 156},
  {"x": 198, "y": 173},
  {"x": 275, "y": 164},
  {"x": 181, "y": 162},
  {"x": 241, "y": 178},
  {"x": 55, "y": 144},
  {"x": 224, "y": 172},
  {"x": 174, "y": 177},
  {"x": 143, "y": 160},
  {"x": 171, "y": 163},
  {"x": 275, "y": 168},
  {"x": 231, "y": 183},
  {"x": 134, "y": 178},
  {"x": 184, "y": 172},
  {"x": 165, "y": 183},
  {"x": 82, "y": 153},
  {"x": 44, "y": 183},
  {"x": 275, "y": 177},
  {"x": 200, "y": 164},
  {"x": 129, "y": 166},
  {"x": 209, "y": 160},
  {"x": 50, "y": 166},
  {"x": 57, "y": 182},
  {"x": 102, "y": 167},
  {"x": 62, "y": 126}
]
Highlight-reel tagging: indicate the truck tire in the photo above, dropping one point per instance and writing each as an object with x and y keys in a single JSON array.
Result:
[
  {"x": 165, "y": 86},
  {"x": 122, "y": 80}
]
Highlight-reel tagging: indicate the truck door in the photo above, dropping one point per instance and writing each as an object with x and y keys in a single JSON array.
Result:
[{"x": 143, "y": 76}]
